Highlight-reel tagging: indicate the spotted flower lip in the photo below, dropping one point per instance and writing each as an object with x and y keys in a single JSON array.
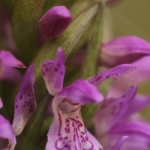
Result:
[
  {"x": 116, "y": 118},
  {"x": 67, "y": 129},
  {"x": 25, "y": 102},
  {"x": 6, "y": 132},
  {"x": 7, "y": 72},
  {"x": 124, "y": 49},
  {"x": 55, "y": 21}
]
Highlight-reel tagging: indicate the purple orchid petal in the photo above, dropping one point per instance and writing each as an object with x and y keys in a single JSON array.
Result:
[
  {"x": 124, "y": 50},
  {"x": 9, "y": 59},
  {"x": 82, "y": 92},
  {"x": 113, "y": 110},
  {"x": 139, "y": 76},
  {"x": 53, "y": 72},
  {"x": 1, "y": 103},
  {"x": 6, "y": 132},
  {"x": 139, "y": 103},
  {"x": 136, "y": 131},
  {"x": 126, "y": 45},
  {"x": 55, "y": 21},
  {"x": 10, "y": 74},
  {"x": 119, "y": 143},
  {"x": 25, "y": 103},
  {"x": 1, "y": 66},
  {"x": 113, "y": 72},
  {"x": 67, "y": 130}
]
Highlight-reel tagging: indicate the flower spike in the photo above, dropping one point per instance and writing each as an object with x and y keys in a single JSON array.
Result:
[
  {"x": 25, "y": 103},
  {"x": 53, "y": 72}
]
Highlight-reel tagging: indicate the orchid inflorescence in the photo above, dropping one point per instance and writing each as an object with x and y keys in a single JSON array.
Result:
[{"x": 78, "y": 115}]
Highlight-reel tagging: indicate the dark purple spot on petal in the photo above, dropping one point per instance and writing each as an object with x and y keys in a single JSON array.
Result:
[
  {"x": 20, "y": 96},
  {"x": 98, "y": 78},
  {"x": 55, "y": 69},
  {"x": 31, "y": 109}
]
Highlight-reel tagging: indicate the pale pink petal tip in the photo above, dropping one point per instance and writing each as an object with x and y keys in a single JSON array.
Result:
[
  {"x": 25, "y": 103},
  {"x": 10, "y": 60},
  {"x": 6, "y": 132},
  {"x": 55, "y": 21},
  {"x": 53, "y": 72}
]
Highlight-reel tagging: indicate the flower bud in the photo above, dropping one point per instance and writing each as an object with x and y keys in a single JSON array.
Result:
[{"x": 55, "y": 21}]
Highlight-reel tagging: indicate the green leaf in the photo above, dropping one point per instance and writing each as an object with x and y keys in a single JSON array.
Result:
[
  {"x": 29, "y": 138},
  {"x": 90, "y": 63},
  {"x": 25, "y": 19},
  {"x": 67, "y": 41}
]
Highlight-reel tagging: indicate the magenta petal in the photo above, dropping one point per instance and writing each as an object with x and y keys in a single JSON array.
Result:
[
  {"x": 119, "y": 143},
  {"x": 113, "y": 110},
  {"x": 53, "y": 72},
  {"x": 82, "y": 92},
  {"x": 25, "y": 103},
  {"x": 139, "y": 103},
  {"x": 9, "y": 59},
  {"x": 126, "y": 45},
  {"x": 139, "y": 135},
  {"x": 1, "y": 103},
  {"x": 138, "y": 76},
  {"x": 55, "y": 21},
  {"x": 67, "y": 130},
  {"x": 6, "y": 132},
  {"x": 10, "y": 74},
  {"x": 113, "y": 72}
]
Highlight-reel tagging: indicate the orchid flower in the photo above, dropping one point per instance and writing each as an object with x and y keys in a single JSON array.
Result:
[
  {"x": 6, "y": 133},
  {"x": 116, "y": 118},
  {"x": 67, "y": 130},
  {"x": 7, "y": 72}
]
